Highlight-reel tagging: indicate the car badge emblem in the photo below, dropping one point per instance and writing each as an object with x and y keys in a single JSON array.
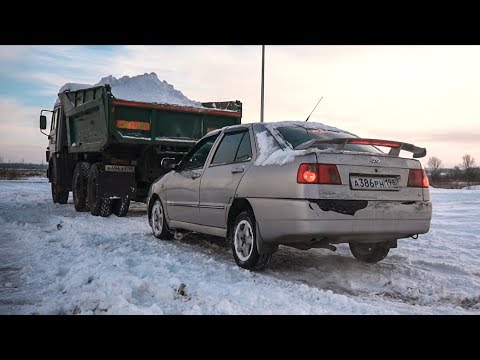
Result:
[{"x": 374, "y": 160}]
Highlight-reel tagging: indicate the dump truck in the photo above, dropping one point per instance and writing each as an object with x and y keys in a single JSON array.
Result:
[{"x": 107, "y": 151}]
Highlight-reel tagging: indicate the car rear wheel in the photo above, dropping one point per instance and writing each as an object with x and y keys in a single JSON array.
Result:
[
  {"x": 370, "y": 253},
  {"x": 159, "y": 225},
  {"x": 244, "y": 243}
]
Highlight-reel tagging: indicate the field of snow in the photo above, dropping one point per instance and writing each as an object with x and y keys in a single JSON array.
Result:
[{"x": 54, "y": 260}]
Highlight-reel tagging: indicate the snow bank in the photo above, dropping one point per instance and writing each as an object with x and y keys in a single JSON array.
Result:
[
  {"x": 143, "y": 88},
  {"x": 472, "y": 187}
]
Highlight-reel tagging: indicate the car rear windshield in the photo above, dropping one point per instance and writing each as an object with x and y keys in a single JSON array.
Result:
[{"x": 297, "y": 135}]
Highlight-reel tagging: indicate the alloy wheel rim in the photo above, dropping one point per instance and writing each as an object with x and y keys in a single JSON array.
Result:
[
  {"x": 157, "y": 219},
  {"x": 243, "y": 240}
]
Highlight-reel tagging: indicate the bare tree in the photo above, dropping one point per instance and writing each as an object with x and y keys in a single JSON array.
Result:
[
  {"x": 434, "y": 164},
  {"x": 469, "y": 171}
]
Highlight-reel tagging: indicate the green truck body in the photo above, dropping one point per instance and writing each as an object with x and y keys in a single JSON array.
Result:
[{"x": 108, "y": 151}]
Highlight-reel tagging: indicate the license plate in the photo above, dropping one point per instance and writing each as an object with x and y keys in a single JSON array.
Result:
[
  {"x": 373, "y": 182},
  {"x": 120, "y": 168}
]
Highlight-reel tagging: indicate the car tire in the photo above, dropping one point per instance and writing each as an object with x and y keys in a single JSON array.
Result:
[
  {"x": 120, "y": 206},
  {"x": 58, "y": 196},
  {"x": 244, "y": 243},
  {"x": 157, "y": 220},
  {"x": 97, "y": 204},
  {"x": 80, "y": 186},
  {"x": 369, "y": 252}
]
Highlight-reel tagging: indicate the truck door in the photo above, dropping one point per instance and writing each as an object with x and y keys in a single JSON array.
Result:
[
  {"x": 220, "y": 179},
  {"x": 52, "y": 146}
]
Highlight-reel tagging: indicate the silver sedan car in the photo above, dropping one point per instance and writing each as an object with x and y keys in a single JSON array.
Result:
[{"x": 300, "y": 184}]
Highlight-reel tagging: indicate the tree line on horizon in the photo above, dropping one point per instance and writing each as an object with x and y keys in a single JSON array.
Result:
[
  {"x": 463, "y": 173},
  {"x": 4, "y": 163}
]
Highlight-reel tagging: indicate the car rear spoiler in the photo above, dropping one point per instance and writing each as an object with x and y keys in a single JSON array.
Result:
[{"x": 394, "y": 146}]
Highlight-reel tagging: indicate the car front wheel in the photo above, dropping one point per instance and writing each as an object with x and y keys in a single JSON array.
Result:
[
  {"x": 159, "y": 225},
  {"x": 370, "y": 253},
  {"x": 244, "y": 243}
]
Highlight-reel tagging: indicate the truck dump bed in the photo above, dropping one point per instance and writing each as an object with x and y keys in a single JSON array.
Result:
[{"x": 96, "y": 119}]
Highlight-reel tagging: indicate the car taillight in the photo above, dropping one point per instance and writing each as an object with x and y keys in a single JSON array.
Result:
[
  {"x": 318, "y": 174},
  {"x": 307, "y": 174},
  {"x": 328, "y": 174},
  {"x": 417, "y": 178}
]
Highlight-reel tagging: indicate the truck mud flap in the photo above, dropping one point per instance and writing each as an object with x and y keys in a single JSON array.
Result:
[{"x": 118, "y": 181}]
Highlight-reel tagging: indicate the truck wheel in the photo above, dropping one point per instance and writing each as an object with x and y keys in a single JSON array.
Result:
[
  {"x": 80, "y": 186},
  {"x": 157, "y": 220},
  {"x": 58, "y": 196},
  {"x": 120, "y": 206},
  {"x": 97, "y": 204},
  {"x": 244, "y": 243},
  {"x": 370, "y": 253},
  {"x": 106, "y": 207}
]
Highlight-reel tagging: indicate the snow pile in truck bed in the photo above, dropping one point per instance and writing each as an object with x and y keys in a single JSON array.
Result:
[
  {"x": 148, "y": 88},
  {"x": 144, "y": 88}
]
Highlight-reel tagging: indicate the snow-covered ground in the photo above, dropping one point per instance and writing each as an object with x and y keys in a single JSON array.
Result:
[{"x": 54, "y": 260}]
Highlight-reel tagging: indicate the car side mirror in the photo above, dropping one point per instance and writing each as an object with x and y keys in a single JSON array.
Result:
[
  {"x": 43, "y": 122},
  {"x": 168, "y": 163}
]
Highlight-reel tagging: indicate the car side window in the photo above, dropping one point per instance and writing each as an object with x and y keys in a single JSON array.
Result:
[
  {"x": 244, "y": 152},
  {"x": 198, "y": 156},
  {"x": 227, "y": 149}
]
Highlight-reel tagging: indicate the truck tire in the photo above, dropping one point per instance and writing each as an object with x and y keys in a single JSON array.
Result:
[
  {"x": 97, "y": 204},
  {"x": 244, "y": 243},
  {"x": 58, "y": 196},
  {"x": 120, "y": 206},
  {"x": 80, "y": 186}
]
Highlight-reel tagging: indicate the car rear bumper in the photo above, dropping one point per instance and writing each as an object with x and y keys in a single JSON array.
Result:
[{"x": 289, "y": 221}]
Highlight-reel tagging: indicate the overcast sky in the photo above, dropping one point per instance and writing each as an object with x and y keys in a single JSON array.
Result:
[{"x": 426, "y": 95}]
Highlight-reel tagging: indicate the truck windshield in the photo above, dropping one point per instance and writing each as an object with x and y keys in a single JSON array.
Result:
[{"x": 297, "y": 135}]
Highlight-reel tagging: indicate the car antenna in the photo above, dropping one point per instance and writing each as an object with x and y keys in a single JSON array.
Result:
[{"x": 314, "y": 109}]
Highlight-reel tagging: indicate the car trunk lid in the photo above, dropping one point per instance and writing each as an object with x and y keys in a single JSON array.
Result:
[{"x": 370, "y": 177}]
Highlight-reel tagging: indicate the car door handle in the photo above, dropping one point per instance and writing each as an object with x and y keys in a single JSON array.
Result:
[
  {"x": 195, "y": 176},
  {"x": 237, "y": 170}
]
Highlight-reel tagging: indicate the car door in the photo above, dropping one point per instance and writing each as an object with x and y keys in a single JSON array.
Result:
[
  {"x": 182, "y": 192},
  {"x": 221, "y": 177}
]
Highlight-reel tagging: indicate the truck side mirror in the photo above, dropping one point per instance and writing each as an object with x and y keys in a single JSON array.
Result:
[
  {"x": 168, "y": 163},
  {"x": 43, "y": 122}
]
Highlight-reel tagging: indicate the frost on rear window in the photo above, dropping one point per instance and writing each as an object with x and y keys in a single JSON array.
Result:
[
  {"x": 292, "y": 133},
  {"x": 271, "y": 153}
]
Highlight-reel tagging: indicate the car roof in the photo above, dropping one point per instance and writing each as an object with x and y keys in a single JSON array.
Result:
[{"x": 276, "y": 124}]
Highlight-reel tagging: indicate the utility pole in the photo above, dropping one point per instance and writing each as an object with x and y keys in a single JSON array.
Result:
[{"x": 263, "y": 78}]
